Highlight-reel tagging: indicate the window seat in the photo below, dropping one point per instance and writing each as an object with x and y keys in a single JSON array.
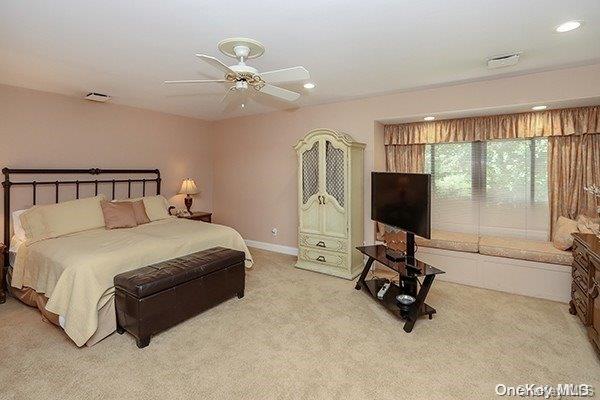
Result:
[
  {"x": 516, "y": 248},
  {"x": 524, "y": 249},
  {"x": 450, "y": 241}
]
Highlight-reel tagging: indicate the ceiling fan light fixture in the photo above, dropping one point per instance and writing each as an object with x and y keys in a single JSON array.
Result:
[
  {"x": 309, "y": 85},
  {"x": 567, "y": 26},
  {"x": 241, "y": 77}
]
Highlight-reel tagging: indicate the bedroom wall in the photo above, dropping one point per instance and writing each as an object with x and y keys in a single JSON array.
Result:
[
  {"x": 255, "y": 165},
  {"x": 46, "y": 130}
]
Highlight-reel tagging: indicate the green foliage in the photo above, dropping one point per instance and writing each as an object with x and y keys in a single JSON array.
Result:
[{"x": 507, "y": 168}]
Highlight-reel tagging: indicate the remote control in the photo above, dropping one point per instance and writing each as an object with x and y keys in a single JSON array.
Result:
[{"x": 382, "y": 291}]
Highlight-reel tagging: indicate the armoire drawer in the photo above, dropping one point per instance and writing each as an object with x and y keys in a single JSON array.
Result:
[
  {"x": 323, "y": 242},
  {"x": 323, "y": 257}
]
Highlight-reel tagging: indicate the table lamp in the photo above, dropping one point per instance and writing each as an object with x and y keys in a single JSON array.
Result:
[{"x": 188, "y": 187}]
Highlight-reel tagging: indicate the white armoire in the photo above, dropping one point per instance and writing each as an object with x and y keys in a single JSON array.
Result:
[{"x": 330, "y": 203}]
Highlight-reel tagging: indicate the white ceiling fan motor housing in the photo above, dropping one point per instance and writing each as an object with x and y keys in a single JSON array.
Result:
[{"x": 241, "y": 85}]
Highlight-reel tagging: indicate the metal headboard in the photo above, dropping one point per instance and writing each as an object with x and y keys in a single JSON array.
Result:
[{"x": 7, "y": 184}]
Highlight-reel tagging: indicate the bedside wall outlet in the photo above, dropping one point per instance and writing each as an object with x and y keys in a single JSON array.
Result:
[{"x": 274, "y": 231}]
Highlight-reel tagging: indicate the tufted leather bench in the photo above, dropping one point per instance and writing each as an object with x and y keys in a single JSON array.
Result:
[{"x": 151, "y": 299}]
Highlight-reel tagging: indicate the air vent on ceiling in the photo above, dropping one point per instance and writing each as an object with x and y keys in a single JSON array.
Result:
[
  {"x": 506, "y": 60},
  {"x": 102, "y": 98}
]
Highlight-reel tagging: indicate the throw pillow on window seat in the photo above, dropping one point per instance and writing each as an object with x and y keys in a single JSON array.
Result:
[
  {"x": 562, "y": 238},
  {"x": 587, "y": 224}
]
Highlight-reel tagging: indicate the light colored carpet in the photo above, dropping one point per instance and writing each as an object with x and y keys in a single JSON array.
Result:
[{"x": 303, "y": 335}]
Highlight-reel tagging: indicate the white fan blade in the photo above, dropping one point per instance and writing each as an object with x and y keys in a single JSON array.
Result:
[
  {"x": 280, "y": 92},
  {"x": 286, "y": 75},
  {"x": 197, "y": 81},
  {"x": 231, "y": 89},
  {"x": 216, "y": 63}
]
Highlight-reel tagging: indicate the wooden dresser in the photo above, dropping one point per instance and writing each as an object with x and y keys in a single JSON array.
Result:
[{"x": 585, "y": 288}]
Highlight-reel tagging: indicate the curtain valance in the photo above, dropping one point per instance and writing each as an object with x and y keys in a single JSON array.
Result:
[{"x": 562, "y": 122}]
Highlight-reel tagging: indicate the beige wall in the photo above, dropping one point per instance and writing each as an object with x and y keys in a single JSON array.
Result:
[
  {"x": 45, "y": 130},
  {"x": 245, "y": 167},
  {"x": 255, "y": 166}
]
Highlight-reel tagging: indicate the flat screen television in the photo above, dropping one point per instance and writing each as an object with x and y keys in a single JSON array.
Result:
[{"x": 402, "y": 201}]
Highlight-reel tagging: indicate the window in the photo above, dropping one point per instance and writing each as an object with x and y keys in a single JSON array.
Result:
[{"x": 497, "y": 187}]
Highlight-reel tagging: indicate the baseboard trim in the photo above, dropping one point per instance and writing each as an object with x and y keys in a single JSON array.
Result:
[{"x": 277, "y": 248}]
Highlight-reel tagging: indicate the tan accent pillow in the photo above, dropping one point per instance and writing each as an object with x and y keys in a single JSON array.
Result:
[
  {"x": 118, "y": 214},
  {"x": 156, "y": 207},
  {"x": 562, "y": 238},
  {"x": 140, "y": 212},
  {"x": 138, "y": 209},
  {"x": 54, "y": 220}
]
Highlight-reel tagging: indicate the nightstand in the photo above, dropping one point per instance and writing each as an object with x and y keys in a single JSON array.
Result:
[
  {"x": 200, "y": 216},
  {"x": 2, "y": 272}
]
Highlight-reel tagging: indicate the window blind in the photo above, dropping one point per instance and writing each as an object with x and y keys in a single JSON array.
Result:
[{"x": 496, "y": 187}]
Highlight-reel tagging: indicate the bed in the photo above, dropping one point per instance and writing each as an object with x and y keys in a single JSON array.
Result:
[{"x": 70, "y": 277}]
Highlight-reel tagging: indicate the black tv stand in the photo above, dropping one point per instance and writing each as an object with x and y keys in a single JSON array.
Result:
[
  {"x": 408, "y": 270},
  {"x": 394, "y": 255}
]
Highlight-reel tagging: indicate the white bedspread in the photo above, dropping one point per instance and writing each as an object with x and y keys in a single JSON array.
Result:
[{"x": 76, "y": 271}]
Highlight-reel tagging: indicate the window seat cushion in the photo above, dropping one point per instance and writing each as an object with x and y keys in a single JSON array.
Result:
[
  {"x": 524, "y": 249},
  {"x": 450, "y": 241}
]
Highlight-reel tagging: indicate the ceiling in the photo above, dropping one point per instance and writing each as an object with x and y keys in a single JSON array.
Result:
[{"x": 352, "y": 48}]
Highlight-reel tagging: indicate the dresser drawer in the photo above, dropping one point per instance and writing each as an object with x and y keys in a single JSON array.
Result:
[
  {"x": 580, "y": 276},
  {"x": 323, "y": 242},
  {"x": 580, "y": 255},
  {"x": 580, "y": 300},
  {"x": 323, "y": 257}
]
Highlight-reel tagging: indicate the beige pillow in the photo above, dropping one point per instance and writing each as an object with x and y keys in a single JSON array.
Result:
[
  {"x": 118, "y": 215},
  {"x": 156, "y": 207},
  {"x": 586, "y": 224},
  {"x": 54, "y": 220},
  {"x": 138, "y": 209},
  {"x": 140, "y": 212},
  {"x": 562, "y": 238}
]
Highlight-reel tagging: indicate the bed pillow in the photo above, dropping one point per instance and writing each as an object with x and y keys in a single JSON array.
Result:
[
  {"x": 562, "y": 238},
  {"x": 18, "y": 231},
  {"x": 54, "y": 220},
  {"x": 118, "y": 214},
  {"x": 140, "y": 212},
  {"x": 138, "y": 209},
  {"x": 156, "y": 207}
]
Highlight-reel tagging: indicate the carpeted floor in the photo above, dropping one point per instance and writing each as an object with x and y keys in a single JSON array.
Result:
[{"x": 303, "y": 335}]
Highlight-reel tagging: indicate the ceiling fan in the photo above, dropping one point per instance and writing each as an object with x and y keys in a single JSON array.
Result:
[{"x": 245, "y": 79}]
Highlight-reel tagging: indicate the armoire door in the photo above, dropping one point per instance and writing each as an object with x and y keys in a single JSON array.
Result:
[
  {"x": 334, "y": 160},
  {"x": 310, "y": 184}
]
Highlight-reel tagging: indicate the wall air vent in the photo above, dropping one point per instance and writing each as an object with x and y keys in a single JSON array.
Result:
[
  {"x": 102, "y": 98},
  {"x": 506, "y": 60}
]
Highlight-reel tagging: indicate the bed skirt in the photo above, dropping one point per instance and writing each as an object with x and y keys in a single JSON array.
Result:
[{"x": 106, "y": 314}]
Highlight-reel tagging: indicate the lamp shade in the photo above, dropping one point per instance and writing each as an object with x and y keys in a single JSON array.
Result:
[{"x": 188, "y": 187}]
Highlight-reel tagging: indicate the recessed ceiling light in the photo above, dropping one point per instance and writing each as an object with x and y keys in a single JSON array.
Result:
[
  {"x": 568, "y": 26},
  {"x": 428, "y": 118},
  {"x": 309, "y": 85},
  {"x": 539, "y": 108}
]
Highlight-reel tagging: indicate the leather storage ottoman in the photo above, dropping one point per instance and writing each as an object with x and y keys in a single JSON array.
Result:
[{"x": 151, "y": 299}]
